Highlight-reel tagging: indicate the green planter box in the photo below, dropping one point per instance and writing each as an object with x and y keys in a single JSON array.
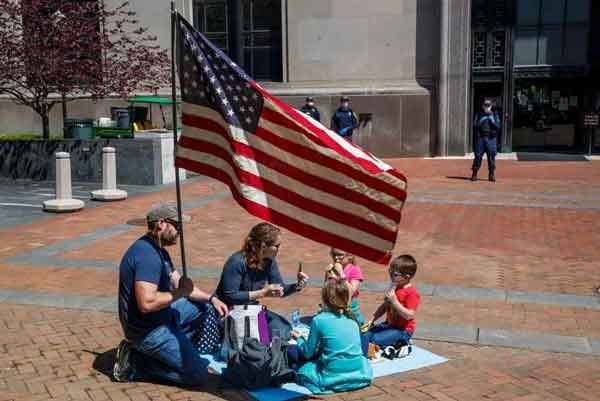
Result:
[{"x": 113, "y": 132}]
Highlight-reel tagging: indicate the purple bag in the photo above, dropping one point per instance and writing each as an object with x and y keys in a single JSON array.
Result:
[{"x": 263, "y": 327}]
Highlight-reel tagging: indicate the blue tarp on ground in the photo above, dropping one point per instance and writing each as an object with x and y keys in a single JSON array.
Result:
[{"x": 419, "y": 358}]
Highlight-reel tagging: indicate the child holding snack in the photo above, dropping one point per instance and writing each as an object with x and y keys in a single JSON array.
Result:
[
  {"x": 400, "y": 306},
  {"x": 345, "y": 267}
]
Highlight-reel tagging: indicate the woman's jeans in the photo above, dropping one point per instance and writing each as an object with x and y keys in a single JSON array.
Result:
[
  {"x": 383, "y": 335},
  {"x": 168, "y": 353}
]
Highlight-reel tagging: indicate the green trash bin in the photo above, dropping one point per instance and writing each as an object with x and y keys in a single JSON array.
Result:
[{"x": 79, "y": 128}]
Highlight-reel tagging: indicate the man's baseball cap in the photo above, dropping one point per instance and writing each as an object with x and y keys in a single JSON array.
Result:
[
  {"x": 309, "y": 99},
  {"x": 344, "y": 99},
  {"x": 163, "y": 211}
]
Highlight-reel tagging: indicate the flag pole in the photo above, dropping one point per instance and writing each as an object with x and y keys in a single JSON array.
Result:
[{"x": 174, "y": 112}]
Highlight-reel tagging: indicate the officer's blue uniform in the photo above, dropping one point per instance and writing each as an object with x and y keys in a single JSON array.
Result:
[
  {"x": 487, "y": 127},
  {"x": 311, "y": 111},
  {"x": 344, "y": 122}
]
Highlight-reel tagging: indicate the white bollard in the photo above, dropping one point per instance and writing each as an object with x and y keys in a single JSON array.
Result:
[
  {"x": 64, "y": 201},
  {"x": 109, "y": 189}
]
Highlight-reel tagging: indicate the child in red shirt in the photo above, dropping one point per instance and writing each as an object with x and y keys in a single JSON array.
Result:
[{"x": 400, "y": 306}]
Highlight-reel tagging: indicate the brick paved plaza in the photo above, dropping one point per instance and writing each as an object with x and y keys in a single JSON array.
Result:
[{"x": 508, "y": 272}]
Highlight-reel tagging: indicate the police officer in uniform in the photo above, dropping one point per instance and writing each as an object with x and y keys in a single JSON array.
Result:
[
  {"x": 486, "y": 127},
  {"x": 344, "y": 120},
  {"x": 310, "y": 109}
]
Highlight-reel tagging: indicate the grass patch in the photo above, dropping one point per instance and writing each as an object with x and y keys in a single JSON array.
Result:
[{"x": 26, "y": 136}]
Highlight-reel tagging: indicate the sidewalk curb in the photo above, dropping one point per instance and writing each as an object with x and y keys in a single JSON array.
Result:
[{"x": 525, "y": 156}]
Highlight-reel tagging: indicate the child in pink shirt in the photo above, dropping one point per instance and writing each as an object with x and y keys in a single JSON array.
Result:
[{"x": 353, "y": 275}]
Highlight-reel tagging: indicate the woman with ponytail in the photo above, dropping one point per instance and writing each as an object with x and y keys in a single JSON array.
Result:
[
  {"x": 252, "y": 273},
  {"x": 333, "y": 353}
]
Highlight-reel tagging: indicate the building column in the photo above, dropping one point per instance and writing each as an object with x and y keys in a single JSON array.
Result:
[
  {"x": 285, "y": 74},
  {"x": 186, "y": 8},
  {"x": 454, "y": 77},
  {"x": 509, "y": 81},
  {"x": 236, "y": 28}
]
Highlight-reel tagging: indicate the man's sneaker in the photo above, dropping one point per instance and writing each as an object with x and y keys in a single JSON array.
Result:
[{"x": 122, "y": 371}]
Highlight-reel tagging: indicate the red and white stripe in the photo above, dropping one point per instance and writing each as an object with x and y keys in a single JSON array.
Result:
[{"x": 297, "y": 174}]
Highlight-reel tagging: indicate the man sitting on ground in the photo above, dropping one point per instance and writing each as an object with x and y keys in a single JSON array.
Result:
[{"x": 160, "y": 311}]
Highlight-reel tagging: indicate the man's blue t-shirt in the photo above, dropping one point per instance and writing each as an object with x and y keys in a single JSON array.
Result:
[{"x": 143, "y": 261}]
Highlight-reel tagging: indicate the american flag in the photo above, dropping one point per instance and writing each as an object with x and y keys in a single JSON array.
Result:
[{"x": 281, "y": 165}]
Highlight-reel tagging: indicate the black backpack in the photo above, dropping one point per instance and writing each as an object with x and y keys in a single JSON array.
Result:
[{"x": 255, "y": 365}]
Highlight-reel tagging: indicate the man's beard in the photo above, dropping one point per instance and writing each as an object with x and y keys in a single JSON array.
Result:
[{"x": 167, "y": 239}]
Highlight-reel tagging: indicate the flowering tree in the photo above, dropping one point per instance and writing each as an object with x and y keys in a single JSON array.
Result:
[{"x": 75, "y": 47}]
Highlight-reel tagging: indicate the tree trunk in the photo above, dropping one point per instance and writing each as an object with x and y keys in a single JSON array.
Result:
[
  {"x": 45, "y": 123},
  {"x": 44, "y": 112},
  {"x": 64, "y": 114}
]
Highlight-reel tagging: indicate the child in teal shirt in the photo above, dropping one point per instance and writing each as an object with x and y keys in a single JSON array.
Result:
[{"x": 335, "y": 361}]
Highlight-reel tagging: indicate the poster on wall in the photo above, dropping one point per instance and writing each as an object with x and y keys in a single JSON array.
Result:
[
  {"x": 573, "y": 101},
  {"x": 555, "y": 99},
  {"x": 563, "y": 105}
]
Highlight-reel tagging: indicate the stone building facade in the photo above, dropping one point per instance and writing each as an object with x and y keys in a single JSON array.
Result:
[{"x": 408, "y": 66}]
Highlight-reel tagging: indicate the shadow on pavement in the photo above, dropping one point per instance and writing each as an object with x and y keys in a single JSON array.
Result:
[
  {"x": 453, "y": 177},
  {"x": 105, "y": 361}
]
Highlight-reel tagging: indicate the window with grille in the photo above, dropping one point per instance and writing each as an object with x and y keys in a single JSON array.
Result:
[
  {"x": 261, "y": 33},
  {"x": 489, "y": 23}
]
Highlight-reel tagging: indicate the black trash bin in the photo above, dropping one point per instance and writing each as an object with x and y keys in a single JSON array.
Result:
[
  {"x": 122, "y": 115},
  {"x": 79, "y": 128}
]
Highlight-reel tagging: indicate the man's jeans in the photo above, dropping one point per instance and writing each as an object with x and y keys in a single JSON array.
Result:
[
  {"x": 167, "y": 352},
  {"x": 485, "y": 145},
  {"x": 383, "y": 335}
]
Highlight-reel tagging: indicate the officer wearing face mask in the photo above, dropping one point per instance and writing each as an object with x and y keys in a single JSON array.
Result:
[
  {"x": 486, "y": 127},
  {"x": 310, "y": 109},
  {"x": 344, "y": 120}
]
